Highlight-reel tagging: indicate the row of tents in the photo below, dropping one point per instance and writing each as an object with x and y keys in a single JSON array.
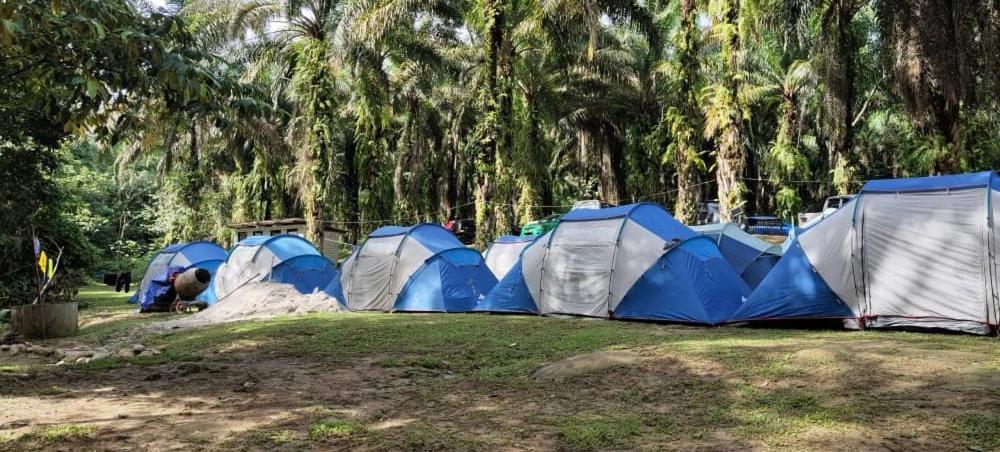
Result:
[{"x": 915, "y": 252}]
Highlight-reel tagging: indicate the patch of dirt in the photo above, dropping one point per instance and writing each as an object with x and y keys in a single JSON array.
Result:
[{"x": 183, "y": 405}]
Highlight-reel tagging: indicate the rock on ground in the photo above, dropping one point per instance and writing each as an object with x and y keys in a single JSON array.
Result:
[{"x": 585, "y": 364}]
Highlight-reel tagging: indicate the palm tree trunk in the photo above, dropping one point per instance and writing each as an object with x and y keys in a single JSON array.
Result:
[
  {"x": 612, "y": 168},
  {"x": 729, "y": 175},
  {"x": 493, "y": 211},
  {"x": 839, "y": 74},
  {"x": 351, "y": 186},
  {"x": 685, "y": 137}
]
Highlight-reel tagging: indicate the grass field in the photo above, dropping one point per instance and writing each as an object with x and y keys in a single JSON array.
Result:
[{"x": 463, "y": 382}]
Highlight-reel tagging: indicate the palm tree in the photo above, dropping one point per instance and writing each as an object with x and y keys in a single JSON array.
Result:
[
  {"x": 681, "y": 113},
  {"x": 722, "y": 108}
]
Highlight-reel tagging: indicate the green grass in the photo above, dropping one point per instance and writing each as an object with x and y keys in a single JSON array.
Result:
[
  {"x": 51, "y": 435},
  {"x": 981, "y": 431},
  {"x": 336, "y": 428},
  {"x": 598, "y": 433}
]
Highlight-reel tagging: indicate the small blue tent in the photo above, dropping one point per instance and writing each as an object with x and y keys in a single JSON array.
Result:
[
  {"x": 285, "y": 259},
  {"x": 417, "y": 268},
  {"x": 750, "y": 256},
  {"x": 206, "y": 255},
  {"x": 914, "y": 253},
  {"x": 627, "y": 262}
]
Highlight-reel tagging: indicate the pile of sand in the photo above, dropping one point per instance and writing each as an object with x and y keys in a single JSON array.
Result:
[{"x": 257, "y": 301}]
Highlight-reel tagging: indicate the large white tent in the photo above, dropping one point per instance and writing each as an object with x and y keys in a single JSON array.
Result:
[{"x": 918, "y": 252}]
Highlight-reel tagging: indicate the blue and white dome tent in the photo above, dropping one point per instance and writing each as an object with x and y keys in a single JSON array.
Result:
[
  {"x": 206, "y": 255},
  {"x": 286, "y": 259},
  {"x": 917, "y": 252},
  {"x": 422, "y": 268},
  {"x": 504, "y": 252},
  {"x": 750, "y": 256},
  {"x": 627, "y": 262}
]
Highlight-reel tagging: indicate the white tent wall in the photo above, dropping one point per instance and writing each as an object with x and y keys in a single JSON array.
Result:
[
  {"x": 924, "y": 256},
  {"x": 638, "y": 249},
  {"x": 373, "y": 278},
  {"x": 829, "y": 246},
  {"x": 500, "y": 257},
  {"x": 245, "y": 264},
  {"x": 576, "y": 270},
  {"x": 993, "y": 311},
  {"x": 411, "y": 256},
  {"x": 367, "y": 280},
  {"x": 531, "y": 266}
]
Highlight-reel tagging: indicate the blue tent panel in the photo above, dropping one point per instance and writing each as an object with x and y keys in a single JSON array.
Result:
[
  {"x": 200, "y": 251},
  {"x": 660, "y": 222},
  {"x": 433, "y": 236},
  {"x": 510, "y": 295},
  {"x": 306, "y": 273},
  {"x": 739, "y": 254},
  {"x": 453, "y": 280},
  {"x": 754, "y": 273},
  {"x": 285, "y": 246},
  {"x": 689, "y": 283},
  {"x": 913, "y": 184},
  {"x": 335, "y": 290},
  {"x": 792, "y": 290}
]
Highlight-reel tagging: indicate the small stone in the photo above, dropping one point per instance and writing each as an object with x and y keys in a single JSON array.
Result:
[
  {"x": 125, "y": 353},
  {"x": 154, "y": 351},
  {"x": 16, "y": 349},
  {"x": 145, "y": 353},
  {"x": 42, "y": 351},
  {"x": 61, "y": 362},
  {"x": 4, "y": 347},
  {"x": 138, "y": 348},
  {"x": 83, "y": 360},
  {"x": 98, "y": 356}
]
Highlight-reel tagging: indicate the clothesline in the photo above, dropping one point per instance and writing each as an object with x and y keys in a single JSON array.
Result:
[{"x": 419, "y": 215}]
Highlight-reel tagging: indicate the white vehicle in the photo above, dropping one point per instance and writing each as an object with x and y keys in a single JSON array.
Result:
[{"x": 829, "y": 206}]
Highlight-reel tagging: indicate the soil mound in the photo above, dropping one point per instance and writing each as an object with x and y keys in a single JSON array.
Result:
[{"x": 257, "y": 301}]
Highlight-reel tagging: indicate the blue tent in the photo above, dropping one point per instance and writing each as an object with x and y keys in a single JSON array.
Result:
[
  {"x": 206, "y": 255},
  {"x": 750, "y": 256},
  {"x": 416, "y": 268},
  {"x": 285, "y": 259},
  {"x": 914, "y": 253},
  {"x": 627, "y": 262}
]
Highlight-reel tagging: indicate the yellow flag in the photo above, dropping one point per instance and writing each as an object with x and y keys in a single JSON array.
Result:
[
  {"x": 43, "y": 262},
  {"x": 51, "y": 270}
]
